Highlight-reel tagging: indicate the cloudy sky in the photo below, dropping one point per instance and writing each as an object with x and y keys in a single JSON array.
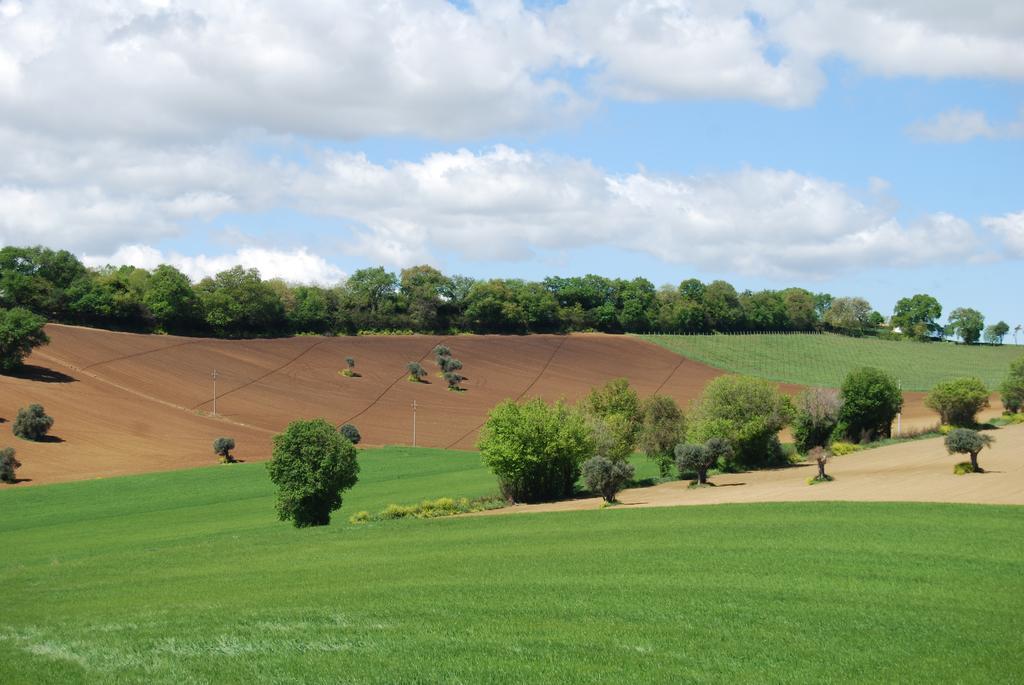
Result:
[{"x": 872, "y": 148}]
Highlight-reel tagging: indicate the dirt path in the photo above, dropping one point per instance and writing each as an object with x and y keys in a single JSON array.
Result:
[{"x": 918, "y": 471}]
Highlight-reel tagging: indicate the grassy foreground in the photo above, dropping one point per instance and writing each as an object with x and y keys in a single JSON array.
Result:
[
  {"x": 825, "y": 359},
  {"x": 188, "y": 577}
]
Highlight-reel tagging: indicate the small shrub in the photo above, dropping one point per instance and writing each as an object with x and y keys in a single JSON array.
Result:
[
  {"x": 359, "y": 517},
  {"x": 454, "y": 380},
  {"x": 871, "y": 400},
  {"x": 396, "y": 511},
  {"x": 32, "y": 423},
  {"x": 449, "y": 365},
  {"x": 964, "y": 467},
  {"x": 350, "y": 432},
  {"x": 606, "y": 476},
  {"x": 958, "y": 401},
  {"x": 8, "y": 465},
  {"x": 814, "y": 480},
  {"x": 440, "y": 352},
  {"x": 946, "y": 429},
  {"x": 222, "y": 447},
  {"x": 841, "y": 448},
  {"x": 968, "y": 441},
  {"x": 350, "y": 368},
  {"x": 416, "y": 372}
]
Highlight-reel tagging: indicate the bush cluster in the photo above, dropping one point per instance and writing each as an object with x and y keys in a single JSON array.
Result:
[
  {"x": 958, "y": 401},
  {"x": 871, "y": 399},
  {"x": 8, "y": 465},
  {"x": 32, "y": 423},
  {"x": 430, "y": 508}
]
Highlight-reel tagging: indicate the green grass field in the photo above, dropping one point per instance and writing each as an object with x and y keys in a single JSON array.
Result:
[
  {"x": 825, "y": 359},
  {"x": 187, "y": 577}
]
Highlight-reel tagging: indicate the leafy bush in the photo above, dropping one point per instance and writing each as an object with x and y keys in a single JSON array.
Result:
[
  {"x": 841, "y": 448},
  {"x": 607, "y": 476},
  {"x": 360, "y": 517},
  {"x": 350, "y": 432},
  {"x": 748, "y": 413},
  {"x": 443, "y": 506},
  {"x": 311, "y": 465},
  {"x": 20, "y": 331},
  {"x": 871, "y": 399},
  {"x": 963, "y": 468},
  {"x": 663, "y": 427},
  {"x": 817, "y": 415},
  {"x": 1011, "y": 390},
  {"x": 700, "y": 458},
  {"x": 8, "y": 465},
  {"x": 958, "y": 401},
  {"x": 222, "y": 447},
  {"x": 968, "y": 441},
  {"x": 32, "y": 423},
  {"x": 535, "y": 449},
  {"x": 416, "y": 372}
]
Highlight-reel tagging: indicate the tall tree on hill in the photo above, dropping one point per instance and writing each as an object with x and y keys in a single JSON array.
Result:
[
  {"x": 966, "y": 323},
  {"x": 20, "y": 332},
  {"x": 722, "y": 307},
  {"x": 37, "y": 279},
  {"x": 372, "y": 296},
  {"x": 917, "y": 316},
  {"x": 850, "y": 315},
  {"x": 764, "y": 310},
  {"x": 237, "y": 302},
  {"x": 638, "y": 305},
  {"x": 425, "y": 292},
  {"x": 171, "y": 300},
  {"x": 800, "y": 312},
  {"x": 995, "y": 333}
]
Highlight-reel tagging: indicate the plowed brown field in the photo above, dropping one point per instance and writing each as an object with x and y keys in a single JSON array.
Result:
[{"x": 127, "y": 403}]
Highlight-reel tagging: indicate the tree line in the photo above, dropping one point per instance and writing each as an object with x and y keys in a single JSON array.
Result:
[{"x": 237, "y": 302}]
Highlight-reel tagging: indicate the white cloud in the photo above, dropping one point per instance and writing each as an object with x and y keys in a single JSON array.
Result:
[
  {"x": 1010, "y": 229},
  {"x": 293, "y": 266},
  {"x": 197, "y": 71},
  {"x": 507, "y": 204},
  {"x": 960, "y": 126}
]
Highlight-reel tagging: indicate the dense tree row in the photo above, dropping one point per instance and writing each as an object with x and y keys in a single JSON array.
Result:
[{"x": 238, "y": 303}]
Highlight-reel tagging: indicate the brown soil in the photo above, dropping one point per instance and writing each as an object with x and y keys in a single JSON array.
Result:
[
  {"x": 919, "y": 471},
  {"x": 127, "y": 403}
]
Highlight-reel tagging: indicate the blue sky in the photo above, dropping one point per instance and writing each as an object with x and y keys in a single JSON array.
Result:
[{"x": 868, "y": 148}]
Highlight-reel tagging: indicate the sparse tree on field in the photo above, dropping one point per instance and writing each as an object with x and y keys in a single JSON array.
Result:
[
  {"x": 967, "y": 323},
  {"x": 8, "y": 465},
  {"x": 448, "y": 364},
  {"x": 995, "y": 333},
  {"x": 350, "y": 432},
  {"x": 312, "y": 464},
  {"x": 454, "y": 380},
  {"x": 416, "y": 372},
  {"x": 222, "y": 447},
  {"x": 820, "y": 456},
  {"x": 32, "y": 423},
  {"x": 607, "y": 476},
  {"x": 968, "y": 441},
  {"x": 350, "y": 368},
  {"x": 663, "y": 428}
]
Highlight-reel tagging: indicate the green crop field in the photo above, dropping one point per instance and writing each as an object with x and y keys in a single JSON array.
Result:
[
  {"x": 824, "y": 359},
  {"x": 187, "y": 577}
]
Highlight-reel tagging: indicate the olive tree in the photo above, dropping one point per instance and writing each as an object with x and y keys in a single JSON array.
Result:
[
  {"x": 663, "y": 427},
  {"x": 8, "y": 465},
  {"x": 871, "y": 399},
  {"x": 1011, "y": 391},
  {"x": 535, "y": 449},
  {"x": 607, "y": 476},
  {"x": 416, "y": 372},
  {"x": 312, "y": 464},
  {"x": 20, "y": 331},
  {"x": 968, "y": 441},
  {"x": 958, "y": 401},
  {"x": 820, "y": 456},
  {"x": 222, "y": 447},
  {"x": 454, "y": 381},
  {"x": 32, "y": 423},
  {"x": 701, "y": 458},
  {"x": 350, "y": 433}
]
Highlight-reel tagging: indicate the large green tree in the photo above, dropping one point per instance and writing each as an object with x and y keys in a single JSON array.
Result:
[
  {"x": 312, "y": 464},
  {"x": 238, "y": 303},
  {"x": 851, "y": 315},
  {"x": 871, "y": 398},
  {"x": 917, "y": 316},
  {"x": 967, "y": 323},
  {"x": 20, "y": 331},
  {"x": 1011, "y": 390},
  {"x": 171, "y": 300}
]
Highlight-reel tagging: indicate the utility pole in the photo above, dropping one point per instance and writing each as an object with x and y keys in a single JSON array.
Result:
[
  {"x": 214, "y": 376},
  {"x": 414, "y": 423}
]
